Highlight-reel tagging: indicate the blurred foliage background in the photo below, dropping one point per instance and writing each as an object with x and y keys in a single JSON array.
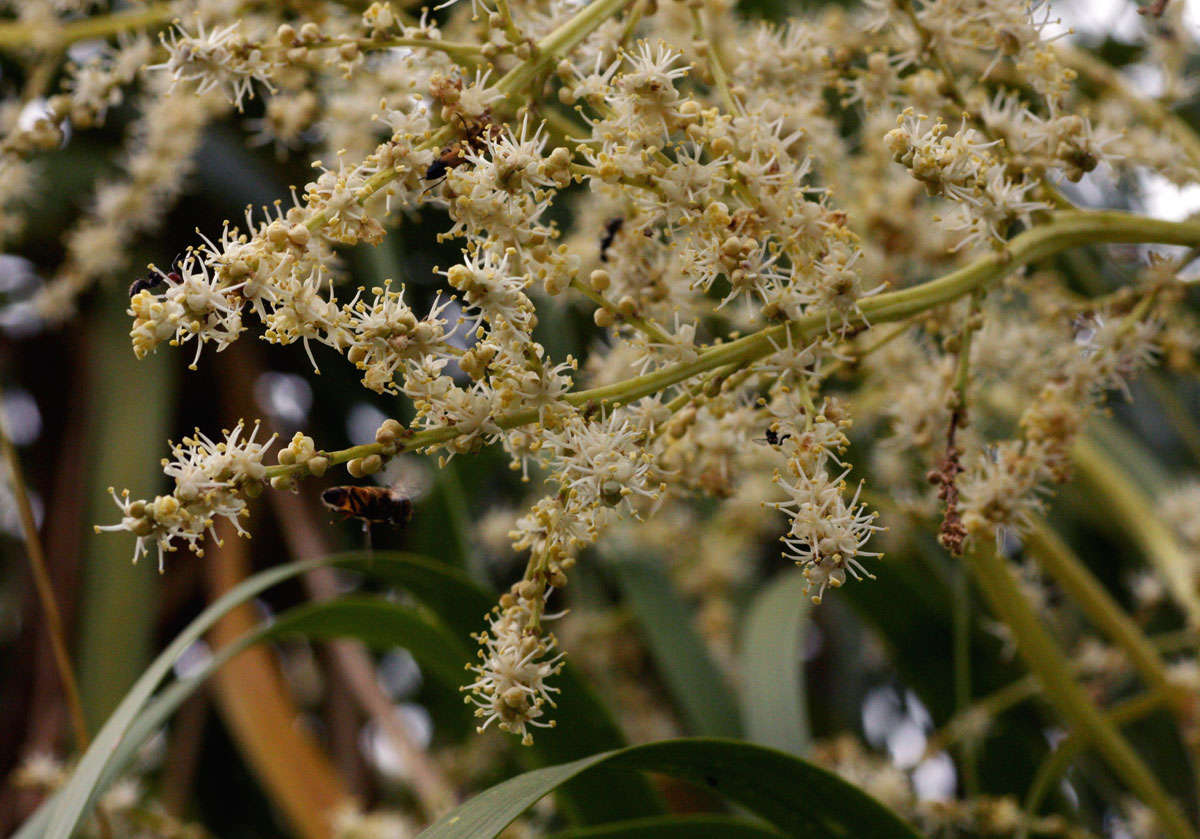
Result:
[{"x": 87, "y": 415}]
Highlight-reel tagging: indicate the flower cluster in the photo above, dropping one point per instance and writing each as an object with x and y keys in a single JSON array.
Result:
[
  {"x": 212, "y": 480},
  {"x": 516, "y": 658},
  {"x": 747, "y": 218},
  {"x": 828, "y": 530},
  {"x": 960, "y": 167},
  {"x": 1002, "y": 487}
]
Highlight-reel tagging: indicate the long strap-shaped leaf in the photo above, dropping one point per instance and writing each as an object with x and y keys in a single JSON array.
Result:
[
  {"x": 77, "y": 796},
  {"x": 796, "y": 797},
  {"x": 696, "y": 683},
  {"x": 701, "y": 826},
  {"x": 429, "y": 580},
  {"x": 457, "y": 600},
  {"x": 375, "y": 621},
  {"x": 772, "y": 654}
]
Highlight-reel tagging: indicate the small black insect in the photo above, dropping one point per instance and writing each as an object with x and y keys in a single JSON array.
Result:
[
  {"x": 437, "y": 170},
  {"x": 774, "y": 438},
  {"x": 611, "y": 228},
  {"x": 155, "y": 278}
]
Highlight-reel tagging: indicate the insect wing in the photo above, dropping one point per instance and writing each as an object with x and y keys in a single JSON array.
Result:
[{"x": 407, "y": 476}]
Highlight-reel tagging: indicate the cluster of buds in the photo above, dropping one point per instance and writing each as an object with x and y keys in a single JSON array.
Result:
[
  {"x": 516, "y": 659},
  {"x": 828, "y": 530},
  {"x": 212, "y": 480},
  {"x": 962, "y": 168}
]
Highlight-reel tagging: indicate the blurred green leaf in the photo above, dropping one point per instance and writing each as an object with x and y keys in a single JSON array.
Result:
[
  {"x": 772, "y": 655},
  {"x": 375, "y": 622},
  {"x": 80, "y": 791},
  {"x": 382, "y": 625},
  {"x": 680, "y": 654},
  {"x": 458, "y": 601},
  {"x": 118, "y": 641},
  {"x": 675, "y": 827},
  {"x": 798, "y": 798}
]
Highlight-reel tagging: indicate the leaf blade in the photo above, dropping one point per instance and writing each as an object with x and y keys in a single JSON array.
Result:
[
  {"x": 772, "y": 655},
  {"x": 696, "y": 683},
  {"x": 796, "y": 797}
]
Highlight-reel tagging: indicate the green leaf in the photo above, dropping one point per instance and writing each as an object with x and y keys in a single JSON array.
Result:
[
  {"x": 448, "y": 592},
  {"x": 772, "y": 655},
  {"x": 703, "y": 826},
  {"x": 584, "y": 724},
  {"x": 380, "y": 624},
  {"x": 680, "y": 655},
  {"x": 78, "y": 794},
  {"x": 375, "y": 622},
  {"x": 75, "y": 799},
  {"x": 798, "y": 798},
  {"x": 119, "y": 641}
]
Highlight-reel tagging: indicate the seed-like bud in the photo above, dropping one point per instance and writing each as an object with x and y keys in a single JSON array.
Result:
[{"x": 515, "y": 697}]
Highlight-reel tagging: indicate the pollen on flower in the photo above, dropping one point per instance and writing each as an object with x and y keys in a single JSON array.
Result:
[
  {"x": 516, "y": 657},
  {"x": 652, "y": 254},
  {"x": 211, "y": 480},
  {"x": 828, "y": 527}
]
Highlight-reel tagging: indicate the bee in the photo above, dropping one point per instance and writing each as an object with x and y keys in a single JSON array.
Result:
[
  {"x": 611, "y": 229},
  {"x": 156, "y": 278},
  {"x": 391, "y": 502},
  {"x": 370, "y": 504},
  {"x": 475, "y": 134}
]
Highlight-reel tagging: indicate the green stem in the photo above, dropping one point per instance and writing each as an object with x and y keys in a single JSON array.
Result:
[
  {"x": 1130, "y": 509},
  {"x": 557, "y": 43},
  {"x": 1064, "y": 230},
  {"x": 1055, "y": 765},
  {"x": 1014, "y": 693},
  {"x": 968, "y": 752},
  {"x": 1069, "y": 699},
  {"x": 1061, "y": 563},
  {"x": 712, "y": 52},
  {"x": 17, "y": 36},
  {"x": 470, "y": 53},
  {"x": 648, "y": 327},
  {"x": 45, "y": 591}
]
